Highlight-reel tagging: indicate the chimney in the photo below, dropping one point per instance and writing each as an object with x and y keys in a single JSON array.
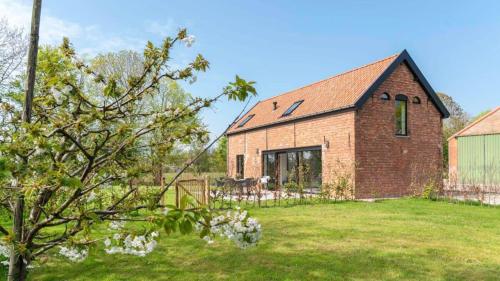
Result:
[{"x": 275, "y": 105}]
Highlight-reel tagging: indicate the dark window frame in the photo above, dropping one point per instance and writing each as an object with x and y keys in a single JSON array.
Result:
[
  {"x": 385, "y": 96},
  {"x": 265, "y": 160},
  {"x": 248, "y": 118},
  {"x": 416, "y": 100},
  {"x": 292, "y": 108},
  {"x": 297, "y": 151},
  {"x": 400, "y": 98},
  {"x": 240, "y": 166}
]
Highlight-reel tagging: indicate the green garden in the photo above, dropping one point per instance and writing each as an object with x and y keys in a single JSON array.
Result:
[
  {"x": 411, "y": 239},
  {"x": 94, "y": 147}
]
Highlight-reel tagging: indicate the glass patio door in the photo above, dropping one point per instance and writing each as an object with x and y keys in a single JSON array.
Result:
[
  {"x": 270, "y": 169},
  {"x": 295, "y": 165},
  {"x": 282, "y": 168}
]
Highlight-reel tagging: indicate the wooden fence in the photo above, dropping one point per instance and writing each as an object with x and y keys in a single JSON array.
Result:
[
  {"x": 228, "y": 193},
  {"x": 223, "y": 194},
  {"x": 199, "y": 189}
]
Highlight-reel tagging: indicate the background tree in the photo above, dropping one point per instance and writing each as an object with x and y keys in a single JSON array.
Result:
[
  {"x": 73, "y": 163},
  {"x": 202, "y": 164},
  {"x": 214, "y": 160},
  {"x": 126, "y": 64},
  {"x": 481, "y": 114},
  {"x": 13, "y": 46},
  {"x": 458, "y": 120},
  {"x": 219, "y": 156}
]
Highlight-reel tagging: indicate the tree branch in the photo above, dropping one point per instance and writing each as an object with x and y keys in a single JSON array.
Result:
[
  {"x": 3, "y": 230},
  {"x": 165, "y": 189}
]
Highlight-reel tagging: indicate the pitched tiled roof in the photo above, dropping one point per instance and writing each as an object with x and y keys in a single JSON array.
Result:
[
  {"x": 338, "y": 92},
  {"x": 486, "y": 124}
]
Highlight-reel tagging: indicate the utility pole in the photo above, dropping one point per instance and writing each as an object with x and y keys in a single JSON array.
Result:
[{"x": 17, "y": 267}]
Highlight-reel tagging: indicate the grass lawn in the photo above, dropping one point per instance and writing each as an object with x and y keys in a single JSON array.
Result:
[{"x": 408, "y": 239}]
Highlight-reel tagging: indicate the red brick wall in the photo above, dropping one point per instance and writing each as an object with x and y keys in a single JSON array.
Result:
[
  {"x": 337, "y": 129},
  {"x": 390, "y": 165},
  {"x": 235, "y": 146},
  {"x": 452, "y": 158},
  {"x": 386, "y": 165}
]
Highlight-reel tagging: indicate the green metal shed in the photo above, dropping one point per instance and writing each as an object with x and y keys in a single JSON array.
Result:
[
  {"x": 474, "y": 152},
  {"x": 479, "y": 159}
]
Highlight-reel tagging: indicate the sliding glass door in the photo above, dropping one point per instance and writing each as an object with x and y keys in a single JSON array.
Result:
[
  {"x": 270, "y": 169},
  {"x": 310, "y": 167},
  {"x": 283, "y": 168},
  {"x": 297, "y": 165}
]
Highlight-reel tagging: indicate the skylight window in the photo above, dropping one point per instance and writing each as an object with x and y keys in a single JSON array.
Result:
[
  {"x": 246, "y": 120},
  {"x": 292, "y": 108}
]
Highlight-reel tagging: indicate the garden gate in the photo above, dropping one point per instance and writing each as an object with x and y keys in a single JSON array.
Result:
[{"x": 199, "y": 189}]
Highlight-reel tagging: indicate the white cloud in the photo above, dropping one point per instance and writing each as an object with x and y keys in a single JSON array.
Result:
[
  {"x": 52, "y": 29},
  {"x": 91, "y": 39},
  {"x": 160, "y": 29},
  {"x": 97, "y": 41},
  {"x": 16, "y": 12}
]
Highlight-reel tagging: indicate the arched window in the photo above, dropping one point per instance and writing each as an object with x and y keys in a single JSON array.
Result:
[
  {"x": 401, "y": 115},
  {"x": 416, "y": 100},
  {"x": 385, "y": 96},
  {"x": 401, "y": 97}
]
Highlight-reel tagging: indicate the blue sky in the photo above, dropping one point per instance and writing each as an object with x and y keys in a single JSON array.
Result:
[{"x": 283, "y": 45}]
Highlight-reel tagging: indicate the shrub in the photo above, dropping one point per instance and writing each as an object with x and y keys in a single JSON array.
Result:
[
  {"x": 430, "y": 190},
  {"x": 327, "y": 190},
  {"x": 341, "y": 184}
]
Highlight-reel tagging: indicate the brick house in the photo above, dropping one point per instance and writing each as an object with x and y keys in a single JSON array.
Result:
[{"x": 382, "y": 119}]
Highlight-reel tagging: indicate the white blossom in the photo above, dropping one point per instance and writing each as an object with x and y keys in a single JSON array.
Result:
[
  {"x": 92, "y": 196},
  {"x": 4, "y": 251},
  {"x": 39, "y": 151},
  {"x": 189, "y": 40},
  {"x": 58, "y": 96},
  {"x": 107, "y": 242},
  {"x": 80, "y": 157},
  {"x": 208, "y": 239},
  {"x": 116, "y": 225},
  {"x": 73, "y": 254},
  {"x": 137, "y": 245},
  {"x": 236, "y": 226},
  {"x": 67, "y": 89}
]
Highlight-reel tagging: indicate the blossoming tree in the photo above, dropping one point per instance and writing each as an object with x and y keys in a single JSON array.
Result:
[{"x": 73, "y": 163}]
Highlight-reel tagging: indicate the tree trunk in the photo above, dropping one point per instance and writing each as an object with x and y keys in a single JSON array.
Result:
[
  {"x": 157, "y": 173},
  {"x": 17, "y": 267}
]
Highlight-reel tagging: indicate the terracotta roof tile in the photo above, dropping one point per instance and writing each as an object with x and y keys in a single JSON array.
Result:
[
  {"x": 486, "y": 124},
  {"x": 334, "y": 93}
]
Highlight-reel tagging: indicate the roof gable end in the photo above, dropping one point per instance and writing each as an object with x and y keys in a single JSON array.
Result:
[{"x": 404, "y": 57}]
